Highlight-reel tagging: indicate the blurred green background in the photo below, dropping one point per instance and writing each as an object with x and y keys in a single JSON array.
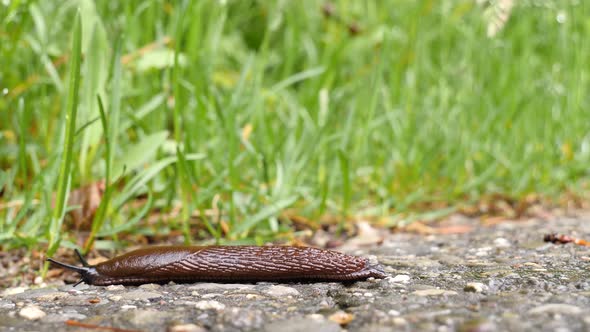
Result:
[{"x": 234, "y": 119}]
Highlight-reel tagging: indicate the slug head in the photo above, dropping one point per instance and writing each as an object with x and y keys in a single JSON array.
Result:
[{"x": 87, "y": 272}]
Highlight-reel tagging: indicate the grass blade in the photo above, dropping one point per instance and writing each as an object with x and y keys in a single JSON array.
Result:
[
  {"x": 103, "y": 207},
  {"x": 67, "y": 153},
  {"x": 115, "y": 104},
  {"x": 263, "y": 214},
  {"x": 346, "y": 190}
]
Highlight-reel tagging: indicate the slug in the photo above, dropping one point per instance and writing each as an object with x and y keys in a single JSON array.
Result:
[{"x": 183, "y": 264}]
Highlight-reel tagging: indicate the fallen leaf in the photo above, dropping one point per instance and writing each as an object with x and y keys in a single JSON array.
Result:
[
  {"x": 366, "y": 235},
  {"x": 455, "y": 229},
  {"x": 421, "y": 228},
  {"x": 418, "y": 228},
  {"x": 54, "y": 273},
  {"x": 97, "y": 260},
  {"x": 87, "y": 199}
]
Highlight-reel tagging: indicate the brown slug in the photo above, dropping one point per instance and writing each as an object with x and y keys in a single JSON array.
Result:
[{"x": 162, "y": 264}]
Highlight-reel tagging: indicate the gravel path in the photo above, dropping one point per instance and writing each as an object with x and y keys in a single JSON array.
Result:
[{"x": 494, "y": 278}]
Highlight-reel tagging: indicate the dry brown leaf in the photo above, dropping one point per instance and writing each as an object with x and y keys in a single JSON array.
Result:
[
  {"x": 418, "y": 228},
  {"x": 423, "y": 229},
  {"x": 454, "y": 229},
  {"x": 320, "y": 238},
  {"x": 366, "y": 235},
  {"x": 300, "y": 222},
  {"x": 87, "y": 199},
  {"x": 224, "y": 226},
  {"x": 97, "y": 260},
  {"x": 54, "y": 273},
  {"x": 493, "y": 220}
]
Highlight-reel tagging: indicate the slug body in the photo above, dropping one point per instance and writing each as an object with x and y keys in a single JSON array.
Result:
[{"x": 226, "y": 263}]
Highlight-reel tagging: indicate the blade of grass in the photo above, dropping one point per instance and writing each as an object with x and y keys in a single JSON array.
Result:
[
  {"x": 22, "y": 144},
  {"x": 127, "y": 226},
  {"x": 182, "y": 172},
  {"x": 272, "y": 209},
  {"x": 142, "y": 178},
  {"x": 115, "y": 102},
  {"x": 136, "y": 155},
  {"x": 67, "y": 153},
  {"x": 100, "y": 215},
  {"x": 346, "y": 189},
  {"x": 95, "y": 77}
]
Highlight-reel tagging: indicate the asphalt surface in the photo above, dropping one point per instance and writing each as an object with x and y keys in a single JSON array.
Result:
[{"x": 491, "y": 278}]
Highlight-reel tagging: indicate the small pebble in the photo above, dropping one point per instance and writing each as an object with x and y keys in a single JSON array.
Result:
[
  {"x": 434, "y": 292},
  {"x": 73, "y": 291},
  {"x": 316, "y": 317},
  {"x": 401, "y": 278},
  {"x": 128, "y": 307},
  {"x": 211, "y": 295},
  {"x": 341, "y": 317},
  {"x": 187, "y": 328},
  {"x": 393, "y": 313},
  {"x": 31, "y": 313},
  {"x": 399, "y": 321},
  {"x": 150, "y": 286},
  {"x": 206, "y": 305},
  {"x": 280, "y": 291},
  {"x": 475, "y": 287},
  {"x": 501, "y": 242}
]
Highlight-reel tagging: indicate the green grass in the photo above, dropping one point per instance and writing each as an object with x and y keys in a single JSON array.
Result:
[
  {"x": 64, "y": 179},
  {"x": 246, "y": 109}
]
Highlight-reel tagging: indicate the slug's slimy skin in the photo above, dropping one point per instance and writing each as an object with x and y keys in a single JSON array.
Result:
[{"x": 226, "y": 263}]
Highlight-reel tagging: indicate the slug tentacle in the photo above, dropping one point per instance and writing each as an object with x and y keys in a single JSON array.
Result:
[
  {"x": 226, "y": 263},
  {"x": 81, "y": 270},
  {"x": 87, "y": 273},
  {"x": 81, "y": 258}
]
